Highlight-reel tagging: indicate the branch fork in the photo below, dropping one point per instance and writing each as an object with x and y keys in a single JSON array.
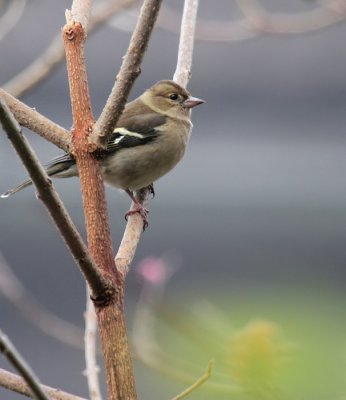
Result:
[{"x": 104, "y": 274}]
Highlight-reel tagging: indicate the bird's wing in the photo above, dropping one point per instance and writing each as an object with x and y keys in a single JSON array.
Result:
[
  {"x": 60, "y": 163},
  {"x": 61, "y": 158},
  {"x": 137, "y": 125},
  {"x": 136, "y": 130}
]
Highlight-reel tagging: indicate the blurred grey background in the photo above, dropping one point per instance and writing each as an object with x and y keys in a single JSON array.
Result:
[{"x": 258, "y": 202}]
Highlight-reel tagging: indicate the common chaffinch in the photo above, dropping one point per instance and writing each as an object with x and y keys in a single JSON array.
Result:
[{"x": 149, "y": 140}]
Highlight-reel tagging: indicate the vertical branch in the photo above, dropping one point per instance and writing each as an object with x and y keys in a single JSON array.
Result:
[
  {"x": 91, "y": 370},
  {"x": 187, "y": 32},
  {"x": 110, "y": 305},
  {"x": 131, "y": 236},
  {"x": 93, "y": 192}
]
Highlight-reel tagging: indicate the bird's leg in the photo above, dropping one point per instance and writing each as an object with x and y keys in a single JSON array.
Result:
[
  {"x": 151, "y": 190},
  {"x": 138, "y": 208}
]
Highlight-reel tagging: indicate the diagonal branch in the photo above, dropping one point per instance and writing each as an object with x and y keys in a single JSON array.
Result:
[
  {"x": 13, "y": 290},
  {"x": 11, "y": 16},
  {"x": 129, "y": 71},
  {"x": 36, "y": 122},
  {"x": 17, "y": 384},
  {"x": 51, "y": 199},
  {"x": 11, "y": 353}
]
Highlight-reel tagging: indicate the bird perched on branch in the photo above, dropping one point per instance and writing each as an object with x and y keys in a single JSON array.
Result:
[{"x": 149, "y": 140}]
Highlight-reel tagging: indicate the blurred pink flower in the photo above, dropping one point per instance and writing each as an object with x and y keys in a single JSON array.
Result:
[{"x": 153, "y": 270}]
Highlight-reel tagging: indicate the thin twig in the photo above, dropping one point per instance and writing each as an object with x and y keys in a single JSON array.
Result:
[
  {"x": 11, "y": 16},
  {"x": 92, "y": 369},
  {"x": 132, "y": 234},
  {"x": 15, "y": 292},
  {"x": 196, "y": 384},
  {"x": 11, "y": 353},
  {"x": 260, "y": 21},
  {"x": 254, "y": 13},
  {"x": 33, "y": 120},
  {"x": 187, "y": 32},
  {"x": 147, "y": 349},
  {"x": 42, "y": 66},
  {"x": 324, "y": 16},
  {"x": 129, "y": 71},
  {"x": 51, "y": 199},
  {"x": 17, "y": 384}
]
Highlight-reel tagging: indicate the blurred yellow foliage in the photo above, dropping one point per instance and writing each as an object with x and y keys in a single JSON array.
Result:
[{"x": 256, "y": 353}]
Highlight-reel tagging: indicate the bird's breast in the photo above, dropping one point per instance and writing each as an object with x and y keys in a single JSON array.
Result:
[{"x": 138, "y": 167}]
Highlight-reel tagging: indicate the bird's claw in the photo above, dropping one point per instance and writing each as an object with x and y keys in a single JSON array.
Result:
[
  {"x": 142, "y": 211},
  {"x": 151, "y": 190}
]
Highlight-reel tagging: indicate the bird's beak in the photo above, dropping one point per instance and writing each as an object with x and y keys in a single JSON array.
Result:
[{"x": 191, "y": 102}]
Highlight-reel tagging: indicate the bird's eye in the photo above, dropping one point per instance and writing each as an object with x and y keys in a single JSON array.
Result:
[{"x": 173, "y": 96}]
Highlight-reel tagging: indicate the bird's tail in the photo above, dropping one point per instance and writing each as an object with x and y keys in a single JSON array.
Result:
[
  {"x": 17, "y": 188},
  {"x": 62, "y": 166}
]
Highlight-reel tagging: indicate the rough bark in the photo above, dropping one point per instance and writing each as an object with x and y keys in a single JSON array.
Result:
[{"x": 109, "y": 306}]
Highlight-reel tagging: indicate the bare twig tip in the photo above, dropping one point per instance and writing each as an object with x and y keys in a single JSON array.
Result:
[
  {"x": 198, "y": 382},
  {"x": 69, "y": 17}
]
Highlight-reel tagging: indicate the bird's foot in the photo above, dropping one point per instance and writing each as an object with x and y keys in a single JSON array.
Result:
[
  {"x": 151, "y": 190},
  {"x": 142, "y": 211}
]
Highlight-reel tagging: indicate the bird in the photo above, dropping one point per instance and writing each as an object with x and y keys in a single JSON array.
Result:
[{"x": 149, "y": 140}]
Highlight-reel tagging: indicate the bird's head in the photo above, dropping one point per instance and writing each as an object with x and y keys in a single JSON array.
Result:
[{"x": 169, "y": 98}]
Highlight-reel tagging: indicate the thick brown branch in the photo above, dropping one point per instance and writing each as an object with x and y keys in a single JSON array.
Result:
[
  {"x": 118, "y": 364},
  {"x": 17, "y": 384},
  {"x": 110, "y": 305},
  {"x": 36, "y": 122},
  {"x": 93, "y": 192},
  {"x": 129, "y": 71},
  {"x": 51, "y": 199}
]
